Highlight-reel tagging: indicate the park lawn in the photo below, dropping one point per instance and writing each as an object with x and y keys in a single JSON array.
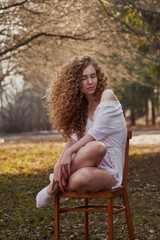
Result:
[{"x": 24, "y": 170}]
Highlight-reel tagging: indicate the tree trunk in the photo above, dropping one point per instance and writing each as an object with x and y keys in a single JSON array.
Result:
[
  {"x": 153, "y": 113},
  {"x": 146, "y": 112},
  {"x": 133, "y": 118}
]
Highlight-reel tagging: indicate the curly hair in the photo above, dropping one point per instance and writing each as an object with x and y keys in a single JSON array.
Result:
[{"x": 68, "y": 106}]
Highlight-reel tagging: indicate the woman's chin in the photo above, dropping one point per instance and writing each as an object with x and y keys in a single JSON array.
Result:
[{"x": 90, "y": 92}]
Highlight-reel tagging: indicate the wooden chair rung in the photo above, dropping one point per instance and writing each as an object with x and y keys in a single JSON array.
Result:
[
  {"x": 92, "y": 208},
  {"x": 81, "y": 210}
]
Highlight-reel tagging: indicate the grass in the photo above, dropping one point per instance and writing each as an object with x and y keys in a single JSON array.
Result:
[{"x": 24, "y": 170}]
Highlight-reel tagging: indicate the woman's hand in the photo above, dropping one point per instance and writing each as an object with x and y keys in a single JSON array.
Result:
[
  {"x": 66, "y": 164},
  {"x": 62, "y": 170},
  {"x": 58, "y": 177}
]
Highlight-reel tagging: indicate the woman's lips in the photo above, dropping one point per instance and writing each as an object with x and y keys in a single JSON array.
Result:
[{"x": 90, "y": 88}]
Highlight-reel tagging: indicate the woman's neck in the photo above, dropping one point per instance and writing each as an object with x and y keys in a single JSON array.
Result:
[
  {"x": 92, "y": 104},
  {"x": 90, "y": 99}
]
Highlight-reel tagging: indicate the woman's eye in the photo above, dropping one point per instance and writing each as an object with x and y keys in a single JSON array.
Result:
[
  {"x": 93, "y": 76},
  {"x": 83, "y": 79}
]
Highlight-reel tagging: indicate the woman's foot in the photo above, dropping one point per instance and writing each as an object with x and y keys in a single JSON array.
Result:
[
  {"x": 43, "y": 198},
  {"x": 46, "y": 194}
]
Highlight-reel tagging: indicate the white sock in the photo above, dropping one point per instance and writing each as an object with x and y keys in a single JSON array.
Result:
[
  {"x": 51, "y": 177},
  {"x": 43, "y": 198}
]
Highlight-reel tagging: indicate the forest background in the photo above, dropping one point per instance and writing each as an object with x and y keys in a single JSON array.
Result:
[{"x": 37, "y": 37}]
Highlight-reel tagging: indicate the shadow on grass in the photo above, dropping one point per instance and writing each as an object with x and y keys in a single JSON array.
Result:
[{"x": 19, "y": 218}]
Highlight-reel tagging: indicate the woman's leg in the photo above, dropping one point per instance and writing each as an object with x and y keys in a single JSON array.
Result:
[
  {"x": 88, "y": 156},
  {"x": 90, "y": 179}
]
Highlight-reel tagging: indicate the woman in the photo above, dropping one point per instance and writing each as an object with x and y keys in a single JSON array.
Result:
[{"x": 90, "y": 117}]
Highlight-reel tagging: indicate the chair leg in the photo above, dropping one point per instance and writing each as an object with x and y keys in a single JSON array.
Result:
[
  {"x": 56, "y": 224},
  {"x": 110, "y": 218},
  {"x": 128, "y": 217},
  {"x": 86, "y": 220}
]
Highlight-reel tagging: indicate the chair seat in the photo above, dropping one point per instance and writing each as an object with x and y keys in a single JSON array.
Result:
[
  {"x": 102, "y": 194},
  {"x": 108, "y": 194}
]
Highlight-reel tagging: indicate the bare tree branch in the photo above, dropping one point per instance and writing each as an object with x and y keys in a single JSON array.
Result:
[
  {"x": 13, "y": 5},
  {"x": 20, "y": 44}
]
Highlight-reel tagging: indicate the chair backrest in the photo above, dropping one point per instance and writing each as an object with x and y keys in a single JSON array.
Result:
[{"x": 125, "y": 170}]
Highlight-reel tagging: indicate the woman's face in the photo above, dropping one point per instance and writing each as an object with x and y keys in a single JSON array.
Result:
[{"x": 89, "y": 80}]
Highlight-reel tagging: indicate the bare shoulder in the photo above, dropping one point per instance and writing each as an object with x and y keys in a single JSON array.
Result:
[{"x": 108, "y": 94}]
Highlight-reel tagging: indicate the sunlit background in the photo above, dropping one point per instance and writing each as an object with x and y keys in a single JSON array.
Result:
[{"x": 37, "y": 37}]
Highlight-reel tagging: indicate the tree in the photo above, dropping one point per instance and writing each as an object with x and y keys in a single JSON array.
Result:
[
  {"x": 22, "y": 110},
  {"x": 38, "y": 36},
  {"x": 37, "y": 28},
  {"x": 139, "y": 21}
]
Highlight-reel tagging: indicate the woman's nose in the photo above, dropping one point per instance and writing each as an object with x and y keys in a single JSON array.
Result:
[{"x": 90, "y": 80}]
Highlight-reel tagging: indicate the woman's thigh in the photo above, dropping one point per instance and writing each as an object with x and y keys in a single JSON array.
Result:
[
  {"x": 90, "y": 179},
  {"x": 88, "y": 156}
]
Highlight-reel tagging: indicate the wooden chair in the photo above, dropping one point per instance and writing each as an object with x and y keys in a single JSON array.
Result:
[{"x": 109, "y": 208}]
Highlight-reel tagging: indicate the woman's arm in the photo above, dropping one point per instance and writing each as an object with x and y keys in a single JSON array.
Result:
[
  {"x": 82, "y": 142},
  {"x": 58, "y": 177},
  {"x": 68, "y": 144},
  {"x": 106, "y": 95},
  {"x": 62, "y": 169},
  {"x": 67, "y": 156}
]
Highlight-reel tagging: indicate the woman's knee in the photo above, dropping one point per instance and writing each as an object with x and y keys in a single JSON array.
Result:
[
  {"x": 96, "y": 149},
  {"x": 79, "y": 180},
  {"x": 101, "y": 148}
]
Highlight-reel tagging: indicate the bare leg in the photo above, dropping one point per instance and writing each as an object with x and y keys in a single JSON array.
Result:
[
  {"x": 90, "y": 179},
  {"x": 88, "y": 156}
]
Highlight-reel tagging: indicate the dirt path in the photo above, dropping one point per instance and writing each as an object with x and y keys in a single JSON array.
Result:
[{"x": 147, "y": 137}]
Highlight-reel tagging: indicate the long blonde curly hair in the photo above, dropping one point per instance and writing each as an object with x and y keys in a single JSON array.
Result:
[{"x": 68, "y": 106}]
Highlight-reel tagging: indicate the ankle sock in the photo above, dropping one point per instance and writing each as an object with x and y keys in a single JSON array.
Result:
[
  {"x": 51, "y": 177},
  {"x": 43, "y": 198}
]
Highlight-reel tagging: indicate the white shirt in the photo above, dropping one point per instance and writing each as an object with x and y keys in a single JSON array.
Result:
[{"x": 109, "y": 127}]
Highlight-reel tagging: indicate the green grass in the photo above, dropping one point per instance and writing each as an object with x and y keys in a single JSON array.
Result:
[{"x": 24, "y": 170}]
